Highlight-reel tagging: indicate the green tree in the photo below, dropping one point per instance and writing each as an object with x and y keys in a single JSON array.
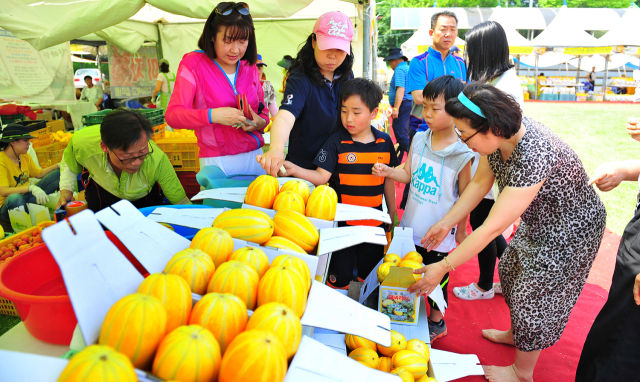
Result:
[{"x": 585, "y": 3}]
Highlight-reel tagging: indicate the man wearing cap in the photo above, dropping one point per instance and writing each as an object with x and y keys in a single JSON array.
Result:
[
  {"x": 267, "y": 88},
  {"x": 400, "y": 99},
  {"x": 164, "y": 85},
  {"x": 434, "y": 63},
  {"x": 117, "y": 161},
  {"x": 16, "y": 167},
  {"x": 456, "y": 51}
]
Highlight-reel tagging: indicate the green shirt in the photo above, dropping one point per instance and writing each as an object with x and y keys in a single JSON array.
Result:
[{"x": 84, "y": 151}]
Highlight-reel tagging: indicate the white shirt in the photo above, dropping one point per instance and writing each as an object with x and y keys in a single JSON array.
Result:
[
  {"x": 91, "y": 94},
  {"x": 165, "y": 84}
]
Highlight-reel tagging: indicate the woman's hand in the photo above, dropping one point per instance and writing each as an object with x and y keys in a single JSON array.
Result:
[
  {"x": 380, "y": 170},
  {"x": 636, "y": 290},
  {"x": 432, "y": 275},
  {"x": 436, "y": 234},
  {"x": 65, "y": 197},
  {"x": 227, "y": 116},
  {"x": 255, "y": 118},
  {"x": 608, "y": 176},
  {"x": 272, "y": 160},
  {"x": 633, "y": 128}
]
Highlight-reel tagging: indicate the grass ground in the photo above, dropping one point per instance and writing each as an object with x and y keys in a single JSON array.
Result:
[{"x": 596, "y": 131}]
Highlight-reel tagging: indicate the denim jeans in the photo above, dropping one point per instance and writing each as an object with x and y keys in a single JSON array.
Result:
[
  {"x": 49, "y": 184},
  {"x": 401, "y": 126}
]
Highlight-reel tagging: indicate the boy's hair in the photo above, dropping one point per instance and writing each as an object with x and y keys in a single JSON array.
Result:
[
  {"x": 89, "y": 77},
  {"x": 446, "y": 86},
  {"x": 368, "y": 91}
]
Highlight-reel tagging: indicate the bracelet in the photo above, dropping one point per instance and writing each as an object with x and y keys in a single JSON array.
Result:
[{"x": 448, "y": 264}]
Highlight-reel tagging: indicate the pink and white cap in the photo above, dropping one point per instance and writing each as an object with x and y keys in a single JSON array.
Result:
[{"x": 334, "y": 30}]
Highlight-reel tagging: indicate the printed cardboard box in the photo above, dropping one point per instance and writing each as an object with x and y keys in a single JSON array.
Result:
[{"x": 395, "y": 301}]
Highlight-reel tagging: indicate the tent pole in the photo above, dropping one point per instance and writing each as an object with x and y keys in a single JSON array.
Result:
[
  {"x": 374, "y": 51},
  {"x": 578, "y": 70},
  {"x": 366, "y": 26},
  {"x": 518, "y": 65},
  {"x": 535, "y": 96},
  {"x": 99, "y": 66},
  {"x": 606, "y": 74}
]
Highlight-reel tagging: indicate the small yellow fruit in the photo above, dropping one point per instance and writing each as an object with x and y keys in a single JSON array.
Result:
[
  {"x": 413, "y": 256},
  {"x": 365, "y": 356},
  {"x": 385, "y": 364},
  {"x": 383, "y": 270},
  {"x": 392, "y": 258},
  {"x": 419, "y": 347},
  {"x": 404, "y": 374},
  {"x": 398, "y": 342},
  {"x": 413, "y": 265},
  {"x": 413, "y": 362},
  {"x": 355, "y": 342}
]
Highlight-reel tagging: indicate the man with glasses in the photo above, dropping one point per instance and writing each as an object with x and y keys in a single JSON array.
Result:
[{"x": 118, "y": 161}]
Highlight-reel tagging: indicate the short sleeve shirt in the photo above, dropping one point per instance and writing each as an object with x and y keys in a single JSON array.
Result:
[
  {"x": 399, "y": 79},
  {"x": 350, "y": 164},
  {"x": 13, "y": 175},
  {"x": 316, "y": 109}
]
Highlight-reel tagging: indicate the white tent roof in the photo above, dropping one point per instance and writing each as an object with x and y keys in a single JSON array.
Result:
[
  {"x": 506, "y": 19},
  {"x": 564, "y": 32},
  {"x": 546, "y": 60},
  {"x": 522, "y": 18},
  {"x": 615, "y": 61},
  {"x": 625, "y": 32}
]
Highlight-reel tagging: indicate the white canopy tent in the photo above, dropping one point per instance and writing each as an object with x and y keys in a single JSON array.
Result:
[
  {"x": 564, "y": 31},
  {"x": 625, "y": 32},
  {"x": 600, "y": 62}
]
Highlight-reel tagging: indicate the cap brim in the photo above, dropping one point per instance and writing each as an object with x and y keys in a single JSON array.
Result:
[{"x": 330, "y": 42}]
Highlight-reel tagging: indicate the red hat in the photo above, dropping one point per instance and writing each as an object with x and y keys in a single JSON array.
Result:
[{"x": 334, "y": 30}]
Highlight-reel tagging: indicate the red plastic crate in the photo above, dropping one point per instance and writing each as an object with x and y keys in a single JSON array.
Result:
[{"x": 189, "y": 182}]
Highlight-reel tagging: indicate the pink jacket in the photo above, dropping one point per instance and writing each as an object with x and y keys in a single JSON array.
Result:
[{"x": 201, "y": 86}]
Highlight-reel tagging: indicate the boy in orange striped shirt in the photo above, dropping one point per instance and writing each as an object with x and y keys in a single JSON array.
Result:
[{"x": 346, "y": 160}]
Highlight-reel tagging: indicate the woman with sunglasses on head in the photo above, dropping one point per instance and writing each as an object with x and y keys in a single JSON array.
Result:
[
  {"x": 209, "y": 80},
  {"x": 487, "y": 51},
  {"x": 541, "y": 180},
  {"x": 16, "y": 167},
  {"x": 310, "y": 108}
]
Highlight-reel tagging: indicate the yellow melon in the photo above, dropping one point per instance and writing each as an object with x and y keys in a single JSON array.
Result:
[
  {"x": 355, "y": 342},
  {"x": 419, "y": 347},
  {"x": 254, "y": 356},
  {"x": 98, "y": 363},
  {"x": 282, "y": 243},
  {"x": 223, "y": 314},
  {"x": 237, "y": 278},
  {"x": 286, "y": 285},
  {"x": 383, "y": 270},
  {"x": 426, "y": 378},
  {"x": 246, "y": 224},
  {"x": 411, "y": 361},
  {"x": 289, "y": 200},
  {"x": 365, "y": 356},
  {"x": 255, "y": 257},
  {"x": 413, "y": 256},
  {"x": 189, "y": 353},
  {"x": 215, "y": 242},
  {"x": 262, "y": 191},
  {"x": 134, "y": 326},
  {"x": 295, "y": 263},
  {"x": 404, "y": 374},
  {"x": 392, "y": 258},
  {"x": 281, "y": 320},
  {"x": 413, "y": 265},
  {"x": 297, "y": 228},
  {"x": 193, "y": 265},
  {"x": 398, "y": 342},
  {"x": 322, "y": 203},
  {"x": 174, "y": 294},
  {"x": 298, "y": 186},
  {"x": 385, "y": 364}
]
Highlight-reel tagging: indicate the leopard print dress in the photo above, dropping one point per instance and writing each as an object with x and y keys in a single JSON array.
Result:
[{"x": 545, "y": 266}]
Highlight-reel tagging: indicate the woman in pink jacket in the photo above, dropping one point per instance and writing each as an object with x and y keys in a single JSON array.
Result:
[{"x": 204, "y": 97}]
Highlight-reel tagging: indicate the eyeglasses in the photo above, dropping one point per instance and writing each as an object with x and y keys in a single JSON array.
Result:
[
  {"x": 465, "y": 140},
  {"x": 131, "y": 160},
  {"x": 225, "y": 8}
]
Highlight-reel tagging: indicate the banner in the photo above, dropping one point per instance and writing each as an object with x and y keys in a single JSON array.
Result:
[
  {"x": 588, "y": 51},
  {"x": 133, "y": 75},
  {"x": 28, "y": 75},
  {"x": 515, "y": 50}
]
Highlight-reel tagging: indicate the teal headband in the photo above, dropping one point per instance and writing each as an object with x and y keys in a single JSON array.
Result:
[{"x": 470, "y": 105}]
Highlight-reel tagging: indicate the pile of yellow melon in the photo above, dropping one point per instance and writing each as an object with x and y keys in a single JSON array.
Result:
[
  {"x": 294, "y": 195},
  {"x": 61, "y": 136},
  {"x": 179, "y": 133},
  {"x": 407, "y": 359},
  {"x": 411, "y": 260},
  {"x": 158, "y": 330}
]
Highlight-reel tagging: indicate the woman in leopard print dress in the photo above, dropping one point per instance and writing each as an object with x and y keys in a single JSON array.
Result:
[{"x": 542, "y": 181}]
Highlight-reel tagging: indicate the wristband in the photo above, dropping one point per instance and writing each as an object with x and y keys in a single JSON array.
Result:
[{"x": 448, "y": 264}]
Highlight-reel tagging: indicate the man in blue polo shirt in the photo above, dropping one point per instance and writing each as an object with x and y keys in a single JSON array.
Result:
[
  {"x": 434, "y": 63},
  {"x": 400, "y": 99}
]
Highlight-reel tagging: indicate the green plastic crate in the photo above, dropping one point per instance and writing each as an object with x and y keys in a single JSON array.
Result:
[
  {"x": 158, "y": 120},
  {"x": 95, "y": 118},
  {"x": 150, "y": 113},
  {"x": 11, "y": 118}
]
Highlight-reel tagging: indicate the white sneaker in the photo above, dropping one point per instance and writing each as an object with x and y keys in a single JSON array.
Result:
[
  {"x": 497, "y": 288},
  {"x": 472, "y": 292}
]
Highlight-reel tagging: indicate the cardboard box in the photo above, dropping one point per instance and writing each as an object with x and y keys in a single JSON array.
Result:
[
  {"x": 395, "y": 301},
  {"x": 46, "y": 115},
  {"x": 57, "y": 125}
]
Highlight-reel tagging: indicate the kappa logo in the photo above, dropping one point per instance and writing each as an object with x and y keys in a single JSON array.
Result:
[
  {"x": 289, "y": 99},
  {"x": 422, "y": 178},
  {"x": 322, "y": 156},
  {"x": 337, "y": 29},
  {"x": 351, "y": 157}
]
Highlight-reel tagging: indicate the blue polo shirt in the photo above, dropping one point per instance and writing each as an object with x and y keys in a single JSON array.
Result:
[
  {"x": 426, "y": 67},
  {"x": 399, "y": 79},
  {"x": 316, "y": 109}
]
